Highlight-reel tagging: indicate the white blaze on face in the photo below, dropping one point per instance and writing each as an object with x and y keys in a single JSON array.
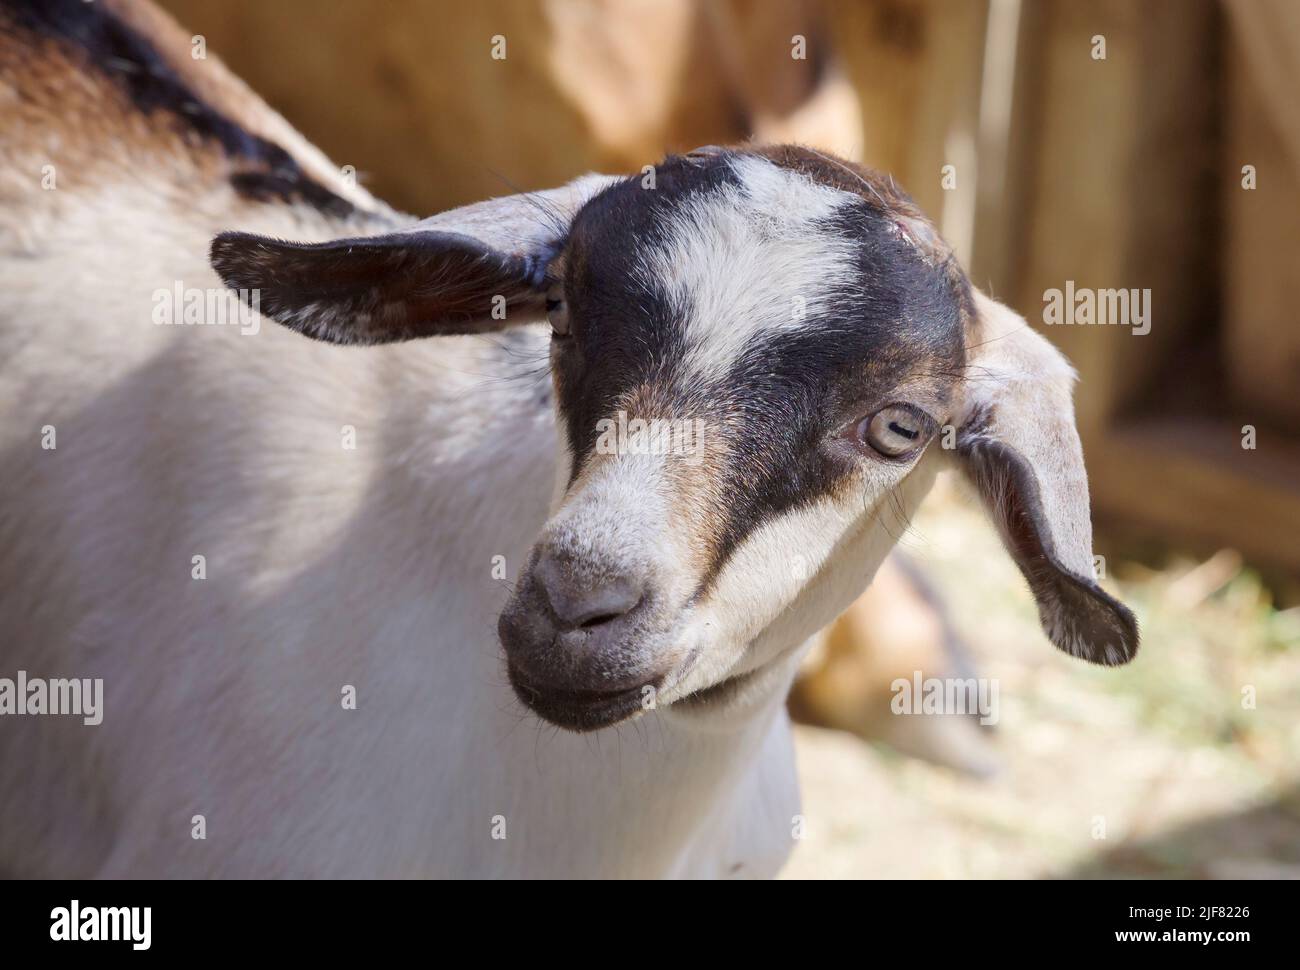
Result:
[
  {"x": 750, "y": 260},
  {"x": 795, "y": 573},
  {"x": 617, "y": 517}
]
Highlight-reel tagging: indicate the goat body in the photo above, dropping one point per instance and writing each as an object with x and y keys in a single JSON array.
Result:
[
  {"x": 325, "y": 567},
  {"x": 295, "y": 564}
]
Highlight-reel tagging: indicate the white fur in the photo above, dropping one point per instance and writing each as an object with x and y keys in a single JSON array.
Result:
[
  {"x": 325, "y": 568},
  {"x": 371, "y": 568},
  {"x": 744, "y": 261}
]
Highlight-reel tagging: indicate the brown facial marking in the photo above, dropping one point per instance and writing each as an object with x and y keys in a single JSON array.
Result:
[{"x": 694, "y": 480}]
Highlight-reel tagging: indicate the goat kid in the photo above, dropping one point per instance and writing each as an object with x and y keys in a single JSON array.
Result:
[{"x": 475, "y": 566}]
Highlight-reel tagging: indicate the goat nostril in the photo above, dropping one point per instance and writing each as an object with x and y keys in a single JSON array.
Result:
[{"x": 580, "y": 603}]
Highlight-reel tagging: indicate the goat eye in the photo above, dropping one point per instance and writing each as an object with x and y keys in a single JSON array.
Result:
[
  {"x": 894, "y": 431},
  {"x": 557, "y": 312}
]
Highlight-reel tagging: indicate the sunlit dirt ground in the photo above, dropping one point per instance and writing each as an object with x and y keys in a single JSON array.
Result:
[{"x": 1162, "y": 768}]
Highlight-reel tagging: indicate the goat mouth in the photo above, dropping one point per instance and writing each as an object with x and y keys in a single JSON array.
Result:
[{"x": 577, "y": 710}]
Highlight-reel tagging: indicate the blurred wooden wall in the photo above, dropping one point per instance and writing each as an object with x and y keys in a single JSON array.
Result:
[{"x": 409, "y": 93}]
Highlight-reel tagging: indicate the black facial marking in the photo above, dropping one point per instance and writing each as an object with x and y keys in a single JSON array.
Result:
[
  {"x": 626, "y": 334},
  {"x": 894, "y": 329},
  {"x": 897, "y": 322},
  {"x": 112, "y": 48}
]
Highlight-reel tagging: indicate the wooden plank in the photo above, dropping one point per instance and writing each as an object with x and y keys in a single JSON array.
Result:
[
  {"x": 1194, "y": 480},
  {"x": 1261, "y": 305},
  {"x": 1120, "y": 193}
]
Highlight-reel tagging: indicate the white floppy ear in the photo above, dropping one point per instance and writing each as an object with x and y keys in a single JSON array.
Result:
[
  {"x": 445, "y": 275},
  {"x": 1018, "y": 445}
]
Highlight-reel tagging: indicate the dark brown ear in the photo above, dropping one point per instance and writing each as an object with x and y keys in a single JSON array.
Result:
[
  {"x": 384, "y": 288},
  {"x": 1019, "y": 447},
  {"x": 469, "y": 270}
]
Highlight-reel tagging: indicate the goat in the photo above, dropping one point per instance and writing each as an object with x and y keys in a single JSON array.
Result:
[{"x": 335, "y": 587}]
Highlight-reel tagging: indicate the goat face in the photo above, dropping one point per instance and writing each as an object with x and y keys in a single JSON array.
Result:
[{"x": 760, "y": 358}]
